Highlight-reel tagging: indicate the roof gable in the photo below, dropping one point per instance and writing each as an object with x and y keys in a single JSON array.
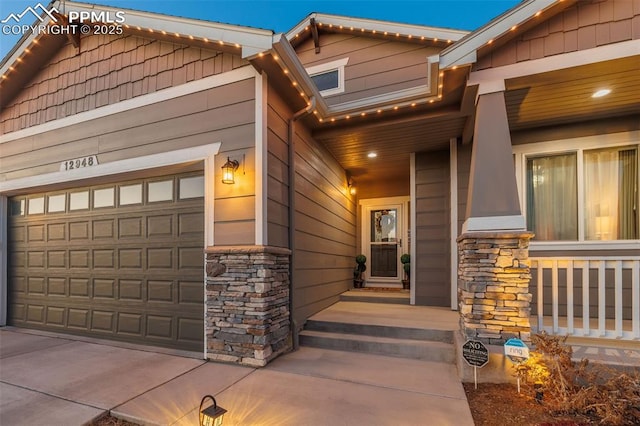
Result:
[
  {"x": 582, "y": 26},
  {"x": 107, "y": 70},
  {"x": 500, "y": 30},
  {"x": 243, "y": 41}
]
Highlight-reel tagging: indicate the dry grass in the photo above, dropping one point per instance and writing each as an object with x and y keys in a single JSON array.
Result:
[{"x": 608, "y": 396}]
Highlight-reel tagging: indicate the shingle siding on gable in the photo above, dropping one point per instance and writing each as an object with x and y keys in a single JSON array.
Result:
[
  {"x": 585, "y": 25},
  {"x": 108, "y": 70},
  {"x": 376, "y": 65}
]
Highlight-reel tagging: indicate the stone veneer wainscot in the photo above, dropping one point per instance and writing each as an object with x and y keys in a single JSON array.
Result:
[
  {"x": 247, "y": 317},
  {"x": 493, "y": 286}
]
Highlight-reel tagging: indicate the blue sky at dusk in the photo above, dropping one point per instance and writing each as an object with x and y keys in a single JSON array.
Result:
[{"x": 282, "y": 15}]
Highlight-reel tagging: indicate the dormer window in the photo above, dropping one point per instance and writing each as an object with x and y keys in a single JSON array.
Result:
[{"x": 329, "y": 77}]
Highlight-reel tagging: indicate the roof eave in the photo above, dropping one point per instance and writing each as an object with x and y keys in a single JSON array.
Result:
[
  {"x": 378, "y": 26},
  {"x": 252, "y": 40},
  {"x": 464, "y": 52}
]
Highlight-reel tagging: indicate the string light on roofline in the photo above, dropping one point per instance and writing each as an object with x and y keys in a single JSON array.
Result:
[
  {"x": 375, "y": 32},
  {"x": 378, "y": 111}
]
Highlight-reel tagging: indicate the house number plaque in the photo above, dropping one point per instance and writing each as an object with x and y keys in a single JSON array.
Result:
[{"x": 79, "y": 163}]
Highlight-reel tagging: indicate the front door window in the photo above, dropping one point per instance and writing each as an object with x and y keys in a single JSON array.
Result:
[{"x": 384, "y": 243}]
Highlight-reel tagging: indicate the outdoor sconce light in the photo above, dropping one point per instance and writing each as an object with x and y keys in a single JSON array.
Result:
[
  {"x": 213, "y": 414},
  {"x": 351, "y": 185},
  {"x": 228, "y": 171}
]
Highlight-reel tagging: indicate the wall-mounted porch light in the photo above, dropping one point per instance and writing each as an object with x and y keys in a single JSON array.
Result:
[
  {"x": 213, "y": 414},
  {"x": 352, "y": 186},
  {"x": 228, "y": 171}
]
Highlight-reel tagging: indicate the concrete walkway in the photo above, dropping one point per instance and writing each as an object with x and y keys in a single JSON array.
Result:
[{"x": 56, "y": 380}]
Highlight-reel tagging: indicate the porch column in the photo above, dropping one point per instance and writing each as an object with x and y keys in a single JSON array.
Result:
[
  {"x": 493, "y": 250},
  {"x": 247, "y": 304},
  {"x": 492, "y": 200}
]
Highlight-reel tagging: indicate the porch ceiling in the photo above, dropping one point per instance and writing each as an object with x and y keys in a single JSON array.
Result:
[
  {"x": 393, "y": 142},
  {"x": 562, "y": 97}
]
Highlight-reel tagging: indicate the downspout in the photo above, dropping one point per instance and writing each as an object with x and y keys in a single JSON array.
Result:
[{"x": 292, "y": 213}]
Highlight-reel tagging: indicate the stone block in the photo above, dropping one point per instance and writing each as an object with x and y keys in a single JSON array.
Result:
[
  {"x": 263, "y": 354},
  {"x": 482, "y": 308},
  {"x": 233, "y": 337},
  {"x": 517, "y": 303},
  {"x": 504, "y": 261},
  {"x": 252, "y": 362},
  {"x": 489, "y": 302},
  {"x": 488, "y": 251},
  {"x": 500, "y": 296},
  {"x": 222, "y": 357}
]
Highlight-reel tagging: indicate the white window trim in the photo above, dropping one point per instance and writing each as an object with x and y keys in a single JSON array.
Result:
[
  {"x": 327, "y": 67},
  {"x": 578, "y": 145}
]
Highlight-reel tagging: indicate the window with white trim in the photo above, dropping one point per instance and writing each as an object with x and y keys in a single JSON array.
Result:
[
  {"x": 329, "y": 77},
  {"x": 581, "y": 190}
]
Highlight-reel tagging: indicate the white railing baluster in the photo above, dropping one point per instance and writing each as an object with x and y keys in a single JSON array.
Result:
[
  {"x": 618, "y": 297},
  {"x": 635, "y": 295},
  {"x": 540, "y": 298},
  {"x": 570, "y": 297},
  {"x": 554, "y": 295},
  {"x": 602, "y": 307},
  {"x": 613, "y": 320},
  {"x": 585, "y": 298}
]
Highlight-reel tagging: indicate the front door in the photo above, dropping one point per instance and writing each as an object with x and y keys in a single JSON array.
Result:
[{"x": 384, "y": 240}]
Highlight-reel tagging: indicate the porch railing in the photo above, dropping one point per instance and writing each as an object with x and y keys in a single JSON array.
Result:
[{"x": 587, "y": 296}]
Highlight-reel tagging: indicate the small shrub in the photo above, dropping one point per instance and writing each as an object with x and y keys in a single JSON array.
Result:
[{"x": 563, "y": 386}]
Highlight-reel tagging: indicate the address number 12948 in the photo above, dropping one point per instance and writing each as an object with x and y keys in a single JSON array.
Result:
[{"x": 79, "y": 163}]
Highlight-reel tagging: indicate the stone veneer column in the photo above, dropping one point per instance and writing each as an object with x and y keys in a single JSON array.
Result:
[
  {"x": 493, "y": 285},
  {"x": 247, "y": 304}
]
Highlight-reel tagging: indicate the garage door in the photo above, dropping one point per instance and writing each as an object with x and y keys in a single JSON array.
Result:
[{"x": 121, "y": 261}]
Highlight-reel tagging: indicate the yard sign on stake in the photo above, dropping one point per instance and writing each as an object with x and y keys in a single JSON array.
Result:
[
  {"x": 476, "y": 355},
  {"x": 517, "y": 351}
]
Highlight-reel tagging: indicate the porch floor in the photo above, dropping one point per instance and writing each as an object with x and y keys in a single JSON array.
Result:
[{"x": 387, "y": 314}]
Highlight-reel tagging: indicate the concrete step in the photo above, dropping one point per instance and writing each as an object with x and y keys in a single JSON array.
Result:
[
  {"x": 444, "y": 336},
  {"x": 396, "y": 347},
  {"x": 395, "y": 298}
]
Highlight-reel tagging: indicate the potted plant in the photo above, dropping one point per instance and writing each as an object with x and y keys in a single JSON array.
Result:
[
  {"x": 406, "y": 266},
  {"x": 361, "y": 266}
]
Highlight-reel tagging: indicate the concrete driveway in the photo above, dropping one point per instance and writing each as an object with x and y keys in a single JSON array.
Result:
[{"x": 56, "y": 380}]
